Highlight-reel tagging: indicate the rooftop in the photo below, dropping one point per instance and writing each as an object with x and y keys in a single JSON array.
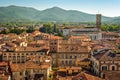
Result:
[
  {"x": 3, "y": 63},
  {"x": 4, "y": 77},
  {"x": 107, "y": 55},
  {"x": 17, "y": 67},
  {"x": 85, "y": 76},
  {"x": 113, "y": 75},
  {"x": 27, "y": 65}
]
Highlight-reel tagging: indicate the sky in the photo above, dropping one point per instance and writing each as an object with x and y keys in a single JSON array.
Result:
[{"x": 105, "y": 7}]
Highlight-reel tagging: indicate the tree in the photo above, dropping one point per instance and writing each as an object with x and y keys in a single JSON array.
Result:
[
  {"x": 5, "y": 31},
  {"x": 47, "y": 28},
  {"x": 110, "y": 27},
  {"x": 30, "y": 30}
]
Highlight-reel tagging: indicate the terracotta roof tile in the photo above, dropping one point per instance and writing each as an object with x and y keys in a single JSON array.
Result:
[
  {"x": 86, "y": 76},
  {"x": 5, "y": 77},
  {"x": 113, "y": 75},
  {"x": 17, "y": 67},
  {"x": 3, "y": 63}
]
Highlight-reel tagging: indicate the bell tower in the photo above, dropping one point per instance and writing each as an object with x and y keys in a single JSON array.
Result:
[{"x": 98, "y": 22}]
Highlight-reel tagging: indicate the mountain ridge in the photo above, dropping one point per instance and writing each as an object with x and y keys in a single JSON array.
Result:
[{"x": 14, "y": 13}]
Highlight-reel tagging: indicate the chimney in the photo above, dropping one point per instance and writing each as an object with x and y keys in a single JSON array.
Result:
[{"x": 98, "y": 22}]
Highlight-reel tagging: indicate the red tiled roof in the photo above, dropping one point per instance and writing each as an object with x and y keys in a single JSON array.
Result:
[
  {"x": 99, "y": 55},
  {"x": 55, "y": 37},
  {"x": 36, "y": 32},
  {"x": 113, "y": 75},
  {"x": 107, "y": 55},
  {"x": 5, "y": 77},
  {"x": 3, "y": 63},
  {"x": 17, "y": 67},
  {"x": 85, "y": 76}
]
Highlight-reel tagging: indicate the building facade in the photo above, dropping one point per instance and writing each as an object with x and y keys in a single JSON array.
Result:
[
  {"x": 93, "y": 32},
  {"x": 105, "y": 62},
  {"x": 22, "y": 56},
  {"x": 66, "y": 52},
  {"x": 30, "y": 71}
]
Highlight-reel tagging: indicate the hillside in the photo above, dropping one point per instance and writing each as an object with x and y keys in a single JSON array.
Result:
[
  {"x": 17, "y": 13},
  {"x": 115, "y": 20}
]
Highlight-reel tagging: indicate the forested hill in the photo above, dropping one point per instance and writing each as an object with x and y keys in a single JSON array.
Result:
[{"x": 18, "y": 13}]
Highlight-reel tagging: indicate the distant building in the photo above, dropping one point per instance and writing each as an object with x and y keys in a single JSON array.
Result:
[
  {"x": 30, "y": 71},
  {"x": 22, "y": 56},
  {"x": 5, "y": 73},
  {"x": 98, "y": 22},
  {"x": 66, "y": 52},
  {"x": 67, "y": 73},
  {"x": 93, "y": 32},
  {"x": 110, "y": 35}
]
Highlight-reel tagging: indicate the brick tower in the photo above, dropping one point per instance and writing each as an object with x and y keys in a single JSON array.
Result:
[{"x": 98, "y": 22}]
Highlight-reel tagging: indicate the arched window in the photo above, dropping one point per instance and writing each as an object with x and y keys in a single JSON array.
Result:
[{"x": 113, "y": 68}]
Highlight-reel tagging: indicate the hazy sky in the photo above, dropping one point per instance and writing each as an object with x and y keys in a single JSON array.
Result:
[{"x": 105, "y": 7}]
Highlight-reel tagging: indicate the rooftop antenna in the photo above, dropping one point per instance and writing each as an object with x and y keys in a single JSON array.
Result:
[{"x": 98, "y": 12}]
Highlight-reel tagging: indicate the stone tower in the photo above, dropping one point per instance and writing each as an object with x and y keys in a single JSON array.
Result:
[
  {"x": 98, "y": 22},
  {"x": 54, "y": 28}
]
